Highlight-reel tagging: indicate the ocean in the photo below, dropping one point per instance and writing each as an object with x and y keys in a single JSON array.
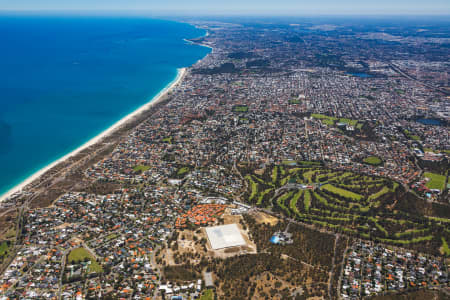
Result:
[{"x": 64, "y": 80}]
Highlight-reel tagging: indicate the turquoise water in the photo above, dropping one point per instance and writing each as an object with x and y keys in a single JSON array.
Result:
[{"x": 63, "y": 80}]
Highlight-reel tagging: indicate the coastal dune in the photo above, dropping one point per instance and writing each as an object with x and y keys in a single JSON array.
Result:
[{"x": 99, "y": 138}]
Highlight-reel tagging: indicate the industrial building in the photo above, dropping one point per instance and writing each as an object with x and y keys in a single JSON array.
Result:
[{"x": 225, "y": 236}]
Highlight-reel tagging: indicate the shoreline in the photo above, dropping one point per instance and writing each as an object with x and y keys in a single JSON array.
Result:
[{"x": 181, "y": 72}]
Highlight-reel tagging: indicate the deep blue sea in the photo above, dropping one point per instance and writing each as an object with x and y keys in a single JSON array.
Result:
[{"x": 63, "y": 80}]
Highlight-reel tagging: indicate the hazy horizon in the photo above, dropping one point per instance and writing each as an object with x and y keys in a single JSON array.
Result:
[
  {"x": 177, "y": 15},
  {"x": 233, "y": 7}
]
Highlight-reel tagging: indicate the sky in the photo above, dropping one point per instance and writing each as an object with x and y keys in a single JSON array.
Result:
[{"x": 239, "y": 7}]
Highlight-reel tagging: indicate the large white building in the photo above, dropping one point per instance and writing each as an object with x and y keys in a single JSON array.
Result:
[{"x": 225, "y": 236}]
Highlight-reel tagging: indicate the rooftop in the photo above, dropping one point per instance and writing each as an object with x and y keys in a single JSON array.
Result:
[{"x": 225, "y": 236}]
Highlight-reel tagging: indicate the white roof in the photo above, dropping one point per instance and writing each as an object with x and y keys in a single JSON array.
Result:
[{"x": 225, "y": 236}]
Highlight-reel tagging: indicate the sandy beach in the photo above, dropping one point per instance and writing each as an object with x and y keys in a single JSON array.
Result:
[{"x": 180, "y": 75}]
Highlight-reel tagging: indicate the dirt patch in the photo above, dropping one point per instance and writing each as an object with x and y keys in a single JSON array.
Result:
[
  {"x": 260, "y": 172},
  {"x": 262, "y": 218},
  {"x": 231, "y": 219},
  {"x": 63, "y": 225}
]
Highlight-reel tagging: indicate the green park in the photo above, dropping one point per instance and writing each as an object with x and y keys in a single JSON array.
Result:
[{"x": 342, "y": 201}]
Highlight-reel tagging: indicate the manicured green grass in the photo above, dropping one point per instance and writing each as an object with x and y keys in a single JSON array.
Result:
[
  {"x": 344, "y": 176},
  {"x": 321, "y": 117},
  {"x": 348, "y": 121},
  {"x": 342, "y": 192},
  {"x": 445, "y": 248},
  {"x": 112, "y": 236},
  {"x": 380, "y": 193},
  {"x": 396, "y": 185},
  {"x": 372, "y": 160},
  {"x": 80, "y": 255},
  {"x": 294, "y": 101},
  {"x": 294, "y": 170},
  {"x": 331, "y": 121},
  {"x": 281, "y": 202},
  {"x": 327, "y": 206},
  {"x": 364, "y": 209},
  {"x": 240, "y": 108},
  {"x": 327, "y": 176},
  {"x": 3, "y": 248},
  {"x": 406, "y": 242},
  {"x": 293, "y": 204},
  {"x": 443, "y": 220},
  {"x": 168, "y": 140},
  {"x": 307, "y": 201},
  {"x": 282, "y": 171},
  {"x": 325, "y": 119},
  {"x": 381, "y": 228},
  {"x": 256, "y": 179},
  {"x": 275, "y": 174},
  {"x": 94, "y": 267},
  {"x": 308, "y": 175},
  {"x": 328, "y": 122},
  {"x": 285, "y": 180},
  {"x": 141, "y": 168},
  {"x": 182, "y": 171},
  {"x": 348, "y": 186},
  {"x": 321, "y": 199},
  {"x": 207, "y": 295},
  {"x": 261, "y": 196},
  {"x": 436, "y": 181},
  {"x": 411, "y": 136},
  {"x": 253, "y": 186},
  {"x": 410, "y": 232}
]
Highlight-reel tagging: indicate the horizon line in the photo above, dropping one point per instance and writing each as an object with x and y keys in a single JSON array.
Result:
[{"x": 160, "y": 13}]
